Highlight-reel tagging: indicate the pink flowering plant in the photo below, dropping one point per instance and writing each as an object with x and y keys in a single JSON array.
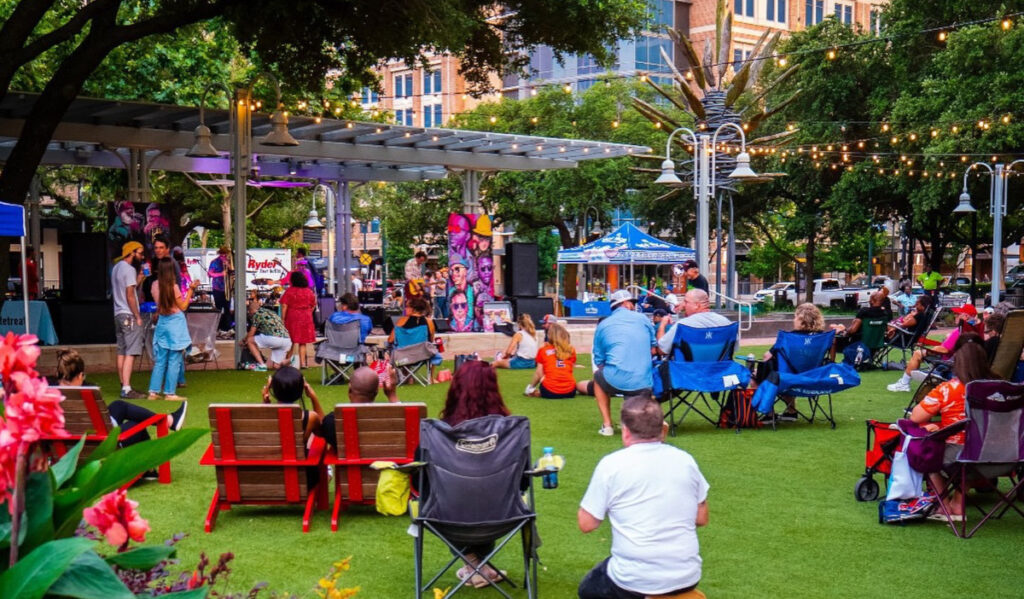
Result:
[{"x": 45, "y": 501}]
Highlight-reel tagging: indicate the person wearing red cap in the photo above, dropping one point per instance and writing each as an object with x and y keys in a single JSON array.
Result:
[{"x": 966, "y": 320}]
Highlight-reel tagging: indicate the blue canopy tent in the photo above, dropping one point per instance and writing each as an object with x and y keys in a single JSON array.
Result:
[
  {"x": 12, "y": 224},
  {"x": 627, "y": 245}
]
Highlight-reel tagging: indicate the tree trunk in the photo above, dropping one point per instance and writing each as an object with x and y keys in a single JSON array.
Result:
[
  {"x": 812, "y": 244},
  {"x": 51, "y": 106}
]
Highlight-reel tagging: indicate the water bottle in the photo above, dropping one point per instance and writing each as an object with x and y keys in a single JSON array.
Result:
[
  {"x": 860, "y": 356},
  {"x": 548, "y": 462}
]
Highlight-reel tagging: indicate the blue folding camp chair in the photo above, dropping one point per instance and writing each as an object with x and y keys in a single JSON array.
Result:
[
  {"x": 412, "y": 352},
  {"x": 803, "y": 369},
  {"x": 699, "y": 372}
]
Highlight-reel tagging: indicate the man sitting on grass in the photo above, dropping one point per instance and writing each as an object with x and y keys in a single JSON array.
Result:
[{"x": 656, "y": 497}]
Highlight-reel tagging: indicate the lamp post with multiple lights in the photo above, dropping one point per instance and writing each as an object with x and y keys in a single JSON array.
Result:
[
  {"x": 705, "y": 169},
  {"x": 997, "y": 206},
  {"x": 242, "y": 107}
]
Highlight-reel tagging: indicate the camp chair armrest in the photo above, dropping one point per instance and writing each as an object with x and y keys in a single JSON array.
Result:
[
  {"x": 158, "y": 420},
  {"x": 900, "y": 329},
  {"x": 331, "y": 458}
]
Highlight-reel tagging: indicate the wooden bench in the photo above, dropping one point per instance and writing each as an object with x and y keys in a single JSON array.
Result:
[
  {"x": 260, "y": 459},
  {"x": 367, "y": 433},
  {"x": 86, "y": 416}
]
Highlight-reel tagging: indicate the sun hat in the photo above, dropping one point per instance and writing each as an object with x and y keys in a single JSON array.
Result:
[
  {"x": 622, "y": 295},
  {"x": 483, "y": 226}
]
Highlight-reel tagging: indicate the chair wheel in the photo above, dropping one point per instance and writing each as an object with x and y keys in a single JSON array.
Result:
[{"x": 866, "y": 489}]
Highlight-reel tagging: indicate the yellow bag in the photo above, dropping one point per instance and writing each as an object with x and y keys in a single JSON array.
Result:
[{"x": 393, "y": 490}]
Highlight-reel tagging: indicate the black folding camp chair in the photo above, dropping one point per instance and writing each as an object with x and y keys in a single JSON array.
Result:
[
  {"x": 905, "y": 341},
  {"x": 472, "y": 493}
]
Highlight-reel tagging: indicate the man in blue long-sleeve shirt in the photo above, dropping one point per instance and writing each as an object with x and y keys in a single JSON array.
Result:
[
  {"x": 622, "y": 353},
  {"x": 349, "y": 304}
]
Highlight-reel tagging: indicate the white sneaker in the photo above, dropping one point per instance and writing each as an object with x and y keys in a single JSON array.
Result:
[
  {"x": 899, "y": 386},
  {"x": 606, "y": 431}
]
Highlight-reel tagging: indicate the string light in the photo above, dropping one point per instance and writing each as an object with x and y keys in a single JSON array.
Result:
[{"x": 831, "y": 54}]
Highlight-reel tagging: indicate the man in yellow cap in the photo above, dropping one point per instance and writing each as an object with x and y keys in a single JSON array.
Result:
[
  {"x": 128, "y": 327},
  {"x": 480, "y": 243}
]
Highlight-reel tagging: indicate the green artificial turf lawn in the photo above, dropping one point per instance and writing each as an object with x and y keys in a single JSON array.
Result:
[{"x": 784, "y": 522}]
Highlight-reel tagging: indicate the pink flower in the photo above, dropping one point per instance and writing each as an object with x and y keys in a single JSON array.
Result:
[
  {"x": 116, "y": 518},
  {"x": 18, "y": 353},
  {"x": 33, "y": 409}
]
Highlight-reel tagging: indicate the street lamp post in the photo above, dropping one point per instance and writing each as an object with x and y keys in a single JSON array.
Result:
[
  {"x": 583, "y": 234},
  {"x": 329, "y": 200},
  {"x": 997, "y": 203},
  {"x": 705, "y": 161},
  {"x": 240, "y": 120}
]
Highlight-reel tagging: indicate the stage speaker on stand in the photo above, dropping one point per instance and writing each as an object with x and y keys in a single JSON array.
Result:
[
  {"x": 521, "y": 269},
  {"x": 85, "y": 270},
  {"x": 536, "y": 307}
]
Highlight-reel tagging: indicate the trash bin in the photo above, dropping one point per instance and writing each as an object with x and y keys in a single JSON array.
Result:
[
  {"x": 780, "y": 299},
  {"x": 850, "y": 301}
]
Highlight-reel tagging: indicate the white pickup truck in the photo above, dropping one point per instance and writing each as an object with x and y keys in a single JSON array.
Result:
[{"x": 828, "y": 293}]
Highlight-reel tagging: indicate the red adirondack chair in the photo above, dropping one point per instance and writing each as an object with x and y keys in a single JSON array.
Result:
[
  {"x": 86, "y": 416},
  {"x": 367, "y": 433},
  {"x": 260, "y": 459}
]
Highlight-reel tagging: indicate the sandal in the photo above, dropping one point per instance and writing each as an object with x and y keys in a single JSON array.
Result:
[
  {"x": 153, "y": 396},
  {"x": 173, "y": 397}
]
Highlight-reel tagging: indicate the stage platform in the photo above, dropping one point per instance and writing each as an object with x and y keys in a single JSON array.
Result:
[{"x": 103, "y": 357}]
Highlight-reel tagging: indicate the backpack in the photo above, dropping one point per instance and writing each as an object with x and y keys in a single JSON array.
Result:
[{"x": 738, "y": 412}]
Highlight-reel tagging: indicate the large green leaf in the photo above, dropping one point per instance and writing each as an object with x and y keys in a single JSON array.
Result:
[
  {"x": 105, "y": 448},
  {"x": 143, "y": 558},
  {"x": 89, "y": 577},
  {"x": 39, "y": 511},
  {"x": 66, "y": 466},
  {"x": 121, "y": 467},
  {"x": 35, "y": 572}
]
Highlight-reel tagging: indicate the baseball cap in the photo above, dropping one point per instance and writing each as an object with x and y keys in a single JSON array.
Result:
[
  {"x": 549, "y": 319},
  {"x": 967, "y": 309},
  {"x": 128, "y": 249},
  {"x": 622, "y": 295},
  {"x": 660, "y": 312},
  {"x": 689, "y": 264},
  {"x": 672, "y": 299}
]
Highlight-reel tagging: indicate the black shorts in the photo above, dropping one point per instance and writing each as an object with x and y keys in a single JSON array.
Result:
[
  {"x": 546, "y": 394},
  {"x": 610, "y": 390}
]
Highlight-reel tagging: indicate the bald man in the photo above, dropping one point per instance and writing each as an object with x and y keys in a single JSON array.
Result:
[
  {"x": 697, "y": 308},
  {"x": 363, "y": 386}
]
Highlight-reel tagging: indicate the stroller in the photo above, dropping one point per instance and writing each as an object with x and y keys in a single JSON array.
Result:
[{"x": 882, "y": 443}]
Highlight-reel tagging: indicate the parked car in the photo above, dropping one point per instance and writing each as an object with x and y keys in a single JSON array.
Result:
[
  {"x": 830, "y": 293},
  {"x": 1013, "y": 275},
  {"x": 769, "y": 292}
]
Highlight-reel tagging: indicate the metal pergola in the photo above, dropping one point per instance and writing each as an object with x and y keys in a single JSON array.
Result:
[{"x": 141, "y": 136}]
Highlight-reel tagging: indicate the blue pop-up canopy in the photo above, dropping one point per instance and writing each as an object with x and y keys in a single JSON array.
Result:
[
  {"x": 12, "y": 220},
  {"x": 627, "y": 245},
  {"x": 12, "y": 224}
]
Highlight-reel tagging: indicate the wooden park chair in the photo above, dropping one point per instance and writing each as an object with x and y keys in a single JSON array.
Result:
[
  {"x": 260, "y": 459},
  {"x": 86, "y": 416},
  {"x": 367, "y": 433}
]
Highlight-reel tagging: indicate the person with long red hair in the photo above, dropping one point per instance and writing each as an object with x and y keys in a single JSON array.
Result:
[{"x": 473, "y": 393}]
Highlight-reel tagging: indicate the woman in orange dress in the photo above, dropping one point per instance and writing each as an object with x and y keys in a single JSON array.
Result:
[{"x": 297, "y": 305}]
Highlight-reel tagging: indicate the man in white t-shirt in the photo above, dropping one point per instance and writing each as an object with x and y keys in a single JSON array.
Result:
[{"x": 655, "y": 497}]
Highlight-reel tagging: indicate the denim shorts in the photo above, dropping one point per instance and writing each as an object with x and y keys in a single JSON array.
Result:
[{"x": 519, "y": 363}]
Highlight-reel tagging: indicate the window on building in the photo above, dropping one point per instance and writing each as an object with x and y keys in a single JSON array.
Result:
[
  {"x": 370, "y": 96},
  {"x": 775, "y": 10},
  {"x": 431, "y": 82},
  {"x": 844, "y": 12},
  {"x": 648, "y": 53},
  {"x": 432, "y": 115},
  {"x": 661, "y": 14},
  {"x": 744, "y": 8},
  {"x": 587, "y": 65},
  {"x": 875, "y": 24},
  {"x": 738, "y": 56},
  {"x": 404, "y": 116},
  {"x": 403, "y": 86},
  {"x": 815, "y": 12}
]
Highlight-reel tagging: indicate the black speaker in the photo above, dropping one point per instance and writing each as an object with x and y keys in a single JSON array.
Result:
[
  {"x": 79, "y": 323},
  {"x": 373, "y": 296},
  {"x": 442, "y": 325},
  {"x": 521, "y": 269},
  {"x": 536, "y": 307},
  {"x": 85, "y": 270}
]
